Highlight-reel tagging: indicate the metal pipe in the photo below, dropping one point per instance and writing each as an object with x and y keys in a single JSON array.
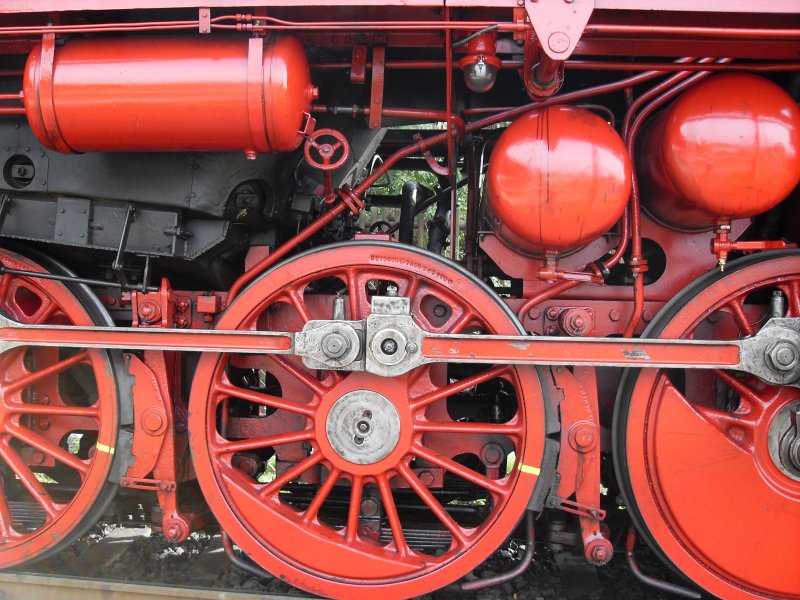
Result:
[
  {"x": 409, "y": 202},
  {"x": 580, "y": 65},
  {"x": 12, "y": 110},
  {"x": 284, "y": 249},
  {"x": 72, "y": 279},
  {"x": 507, "y": 115},
  {"x": 524, "y": 563},
  {"x": 635, "y": 203},
  {"x": 17, "y": 96},
  {"x": 664, "y": 586},
  {"x": 241, "y": 563}
]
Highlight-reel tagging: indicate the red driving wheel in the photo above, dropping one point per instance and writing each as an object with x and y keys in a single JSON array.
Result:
[
  {"x": 59, "y": 415},
  {"x": 708, "y": 460},
  {"x": 350, "y": 485}
]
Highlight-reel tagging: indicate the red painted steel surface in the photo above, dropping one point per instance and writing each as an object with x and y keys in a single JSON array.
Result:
[
  {"x": 701, "y": 474},
  {"x": 37, "y": 413},
  {"x": 696, "y": 465},
  {"x": 300, "y": 545},
  {"x": 745, "y": 6},
  {"x": 156, "y": 94},
  {"x": 727, "y": 148},
  {"x": 558, "y": 178}
]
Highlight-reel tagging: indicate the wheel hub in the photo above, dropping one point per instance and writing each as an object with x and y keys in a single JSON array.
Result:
[
  {"x": 363, "y": 427},
  {"x": 784, "y": 440}
]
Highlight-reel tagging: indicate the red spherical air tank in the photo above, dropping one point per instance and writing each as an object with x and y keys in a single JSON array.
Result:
[
  {"x": 728, "y": 148},
  {"x": 558, "y": 178},
  {"x": 169, "y": 94}
]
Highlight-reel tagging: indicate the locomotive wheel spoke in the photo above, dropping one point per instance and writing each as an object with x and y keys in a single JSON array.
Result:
[
  {"x": 363, "y": 429},
  {"x": 307, "y": 410},
  {"x": 736, "y": 426},
  {"x": 37, "y": 376},
  {"x": 736, "y": 307},
  {"x": 34, "y": 440},
  {"x": 467, "y": 318},
  {"x": 84, "y": 402},
  {"x": 90, "y": 412},
  {"x": 458, "y": 386},
  {"x": 302, "y": 376},
  {"x": 322, "y": 494},
  {"x": 274, "y": 486},
  {"x": 6, "y": 524},
  {"x": 745, "y": 391},
  {"x": 460, "y": 538},
  {"x": 791, "y": 290},
  {"x": 295, "y": 297},
  {"x": 262, "y": 442},
  {"x": 390, "y": 508},
  {"x": 28, "y": 479},
  {"x": 472, "y": 428},
  {"x": 458, "y": 469},
  {"x": 354, "y": 507}
]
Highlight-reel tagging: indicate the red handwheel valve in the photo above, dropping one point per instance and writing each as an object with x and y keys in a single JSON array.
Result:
[{"x": 327, "y": 150}]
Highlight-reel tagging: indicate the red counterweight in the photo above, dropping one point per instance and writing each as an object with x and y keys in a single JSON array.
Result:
[
  {"x": 558, "y": 178},
  {"x": 169, "y": 94},
  {"x": 727, "y": 148}
]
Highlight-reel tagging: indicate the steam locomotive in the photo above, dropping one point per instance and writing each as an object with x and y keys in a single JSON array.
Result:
[{"x": 374, "y": 287}]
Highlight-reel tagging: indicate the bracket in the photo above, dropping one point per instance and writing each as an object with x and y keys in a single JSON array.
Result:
[{"x": 559, "y": 24}]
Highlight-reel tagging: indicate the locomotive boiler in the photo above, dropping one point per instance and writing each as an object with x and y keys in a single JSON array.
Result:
[{"x": 378, "y": 290}]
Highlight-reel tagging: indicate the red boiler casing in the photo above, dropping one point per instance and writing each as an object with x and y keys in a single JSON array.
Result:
[
  {"x": 169, "y": 94},
  {"x": 558, "y": 178},
  {"x": 728, "y": 148}
]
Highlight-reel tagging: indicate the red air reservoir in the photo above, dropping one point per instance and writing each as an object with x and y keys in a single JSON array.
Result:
[
  {"x": 727, "y": 148},
  {"x": 558, "y": 178},
  {"x": 169, "y": 94}
]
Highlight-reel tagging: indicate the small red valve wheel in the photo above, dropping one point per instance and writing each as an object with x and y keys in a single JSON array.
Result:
[{"x": 322, "y": 151}]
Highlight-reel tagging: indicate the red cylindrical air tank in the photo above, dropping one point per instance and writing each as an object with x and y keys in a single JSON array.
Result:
[
  {"x": 558, "y": 178},
  {"x": 169, "y": 94},
  {"x": 727, "y": 148}
]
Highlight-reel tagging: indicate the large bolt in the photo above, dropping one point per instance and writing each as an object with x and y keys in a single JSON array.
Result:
[
  {"x": 426, "y": 478},
  {"x": 558, "y": 42},
  {"x": 389, "y": 346},
  {"x": 598, "y": 553},
  {"x": 369, "y": 507},
  {"x": 492, "y": 454},
  {"x": 362, "y": 426},
  {"x": 782, "y": 356},
  {"x": 335, "y": 345}
]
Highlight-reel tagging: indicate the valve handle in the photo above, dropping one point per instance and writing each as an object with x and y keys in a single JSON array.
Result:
[{"x": 325, "y": 149}]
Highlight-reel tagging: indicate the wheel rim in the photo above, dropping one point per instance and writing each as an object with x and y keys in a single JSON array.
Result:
[
  {"x": 325, "y": 542},
  {"x": 702, "y": 476},
  {"x": 58, "y": 423}
]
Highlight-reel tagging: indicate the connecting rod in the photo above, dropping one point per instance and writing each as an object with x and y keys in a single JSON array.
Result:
[{"x": 389, "y": 343}]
